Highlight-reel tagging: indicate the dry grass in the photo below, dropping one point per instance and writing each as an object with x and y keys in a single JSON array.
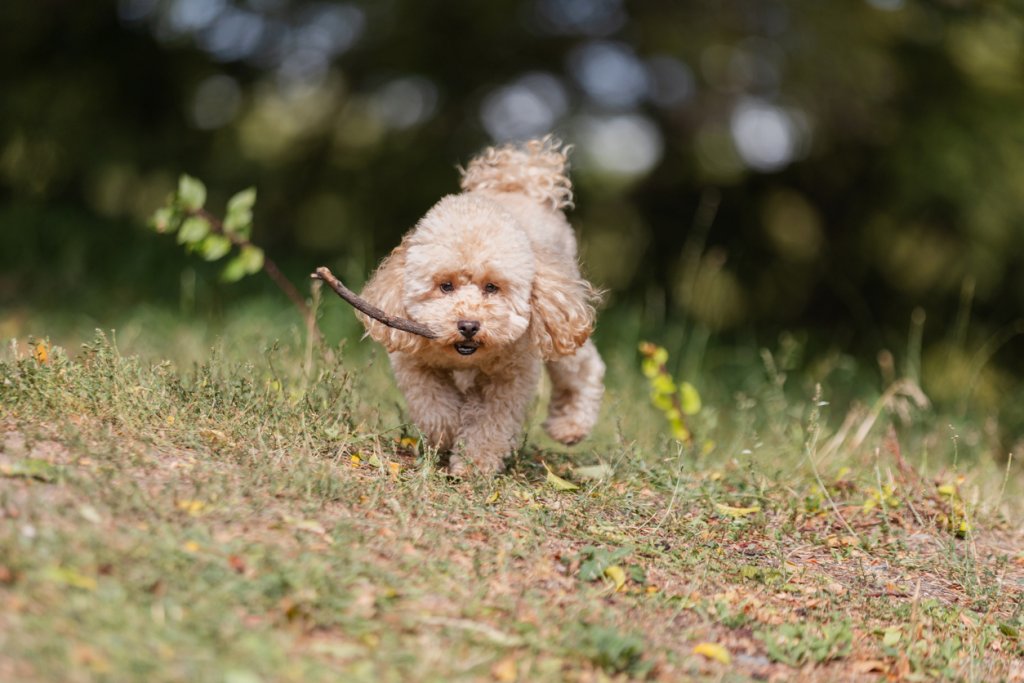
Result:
[{"x": 272, "y": 520}]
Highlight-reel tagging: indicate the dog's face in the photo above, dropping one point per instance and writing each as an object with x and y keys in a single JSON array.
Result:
[
  {"x": 468, "y": 275},
  {"x": 469, "y": 272}
]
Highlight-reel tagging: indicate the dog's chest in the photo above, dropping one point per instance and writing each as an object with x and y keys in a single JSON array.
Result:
[{"x": 464, "y": 379}]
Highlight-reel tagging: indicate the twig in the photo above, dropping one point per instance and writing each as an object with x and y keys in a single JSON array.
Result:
[{"x": 369, "y": 309}]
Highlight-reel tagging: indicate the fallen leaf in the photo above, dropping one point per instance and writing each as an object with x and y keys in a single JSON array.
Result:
[
  {"x": 492, "y": 499},
  {"x": 596, "y": 472},
  {"x": 866, "y": 666},
  {"x": 891, "y": 636},
  {"x": 215, "y": 437},
  {"x": 557, "y": 482},
  {"x": 193, "y": 507},
  {"x": 71, "y": 577},
  {"x": 736, "y": 511},
  {"x": 90, "y": 514},
  {"x": 31, "y": 468},
  {"x": 713, "y": 651},
  {"x": 504, "y": 670},
  {"x": 615, "y": 573}
]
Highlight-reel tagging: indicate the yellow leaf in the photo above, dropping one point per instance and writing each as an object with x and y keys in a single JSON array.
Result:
[
  {"x": 505, "y": 670},
  {"x": 355, "y": 459},
  {"x": 557, "y": 482},
  {"x": 493, "y": 498},
  {"x": 615, "y": 573},
  {"x": 408, "y": 442},
  {"x": 394, "y": 468},
  {"x": 679, "y": 432},
  {"x": 192, "y": 507},
  {"x": 737, "y": 512},
  {"x": 947, "y": 490},
  {"x": 713, "y": 651},
  {"x": 71, "y": 577},
  {"x": 689, "y": 398}
]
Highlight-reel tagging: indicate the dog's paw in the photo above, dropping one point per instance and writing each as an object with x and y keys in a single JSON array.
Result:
[
  {"x": 464, "y": 467},
  {"x": 565, "y": 429}
]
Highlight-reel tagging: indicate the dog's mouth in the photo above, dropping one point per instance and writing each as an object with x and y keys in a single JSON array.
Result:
[{"x": 467, "y": 348}]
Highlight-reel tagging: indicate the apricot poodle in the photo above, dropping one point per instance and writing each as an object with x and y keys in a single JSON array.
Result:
[{"x": 494, "y": 272}]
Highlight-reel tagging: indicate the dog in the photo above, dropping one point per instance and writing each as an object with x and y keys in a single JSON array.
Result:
[{"x": 494, "y": 272}]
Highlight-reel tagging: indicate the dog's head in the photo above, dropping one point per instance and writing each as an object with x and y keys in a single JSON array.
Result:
[{"x": 469, "y": 272}]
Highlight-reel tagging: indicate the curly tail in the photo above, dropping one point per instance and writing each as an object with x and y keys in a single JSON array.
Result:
[{"x": 537, "y": 168}]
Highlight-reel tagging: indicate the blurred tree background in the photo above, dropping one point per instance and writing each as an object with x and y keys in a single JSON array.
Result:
[{"x": 748, "y": 166}]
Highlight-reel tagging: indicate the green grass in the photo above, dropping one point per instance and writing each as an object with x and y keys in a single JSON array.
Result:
[{"x": 225, "y": 503}]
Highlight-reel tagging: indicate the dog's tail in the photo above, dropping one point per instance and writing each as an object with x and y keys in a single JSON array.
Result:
[{"x": 538, "y": 169}]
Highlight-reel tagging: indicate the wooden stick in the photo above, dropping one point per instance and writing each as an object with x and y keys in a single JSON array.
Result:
[{"x": 369, "y": 309}]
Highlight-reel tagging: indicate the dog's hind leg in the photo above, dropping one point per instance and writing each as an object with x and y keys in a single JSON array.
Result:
[{"x": 577, "y": 386}]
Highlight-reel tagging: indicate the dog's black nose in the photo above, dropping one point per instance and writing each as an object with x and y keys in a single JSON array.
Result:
[{"x": 468, "y": 328}]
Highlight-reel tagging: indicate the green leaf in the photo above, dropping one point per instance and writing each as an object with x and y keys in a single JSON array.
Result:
[
  {"x": 737, "y": 511},
  {"x": 191, "y": 192},
  {"x": 689, "y": 399},
  {"x": 252, "y": 259},
  {"x": 243, "y": 200},
  {"x": 557, "y": 482},
  {"x": 193, "y": 230},
  {"x": 238, "y": 221},
  {"x": 163, "y": 220},
  {"x": 214, "y": 247},
  {"x": 234, "y": 270},
  {"x": 31, "y": 468}
]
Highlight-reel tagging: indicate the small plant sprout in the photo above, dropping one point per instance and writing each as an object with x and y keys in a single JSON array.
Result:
[
  {"x": 203, "y": 233},
  {"x": 677, "y": 402}
]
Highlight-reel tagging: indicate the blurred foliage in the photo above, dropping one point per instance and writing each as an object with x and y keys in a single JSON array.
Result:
[{"x": 741, "y": 165}]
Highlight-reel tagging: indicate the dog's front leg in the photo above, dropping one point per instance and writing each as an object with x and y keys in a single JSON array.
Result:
[
  {"x": 492, "y": 417},
  {"x": 431, "y": 397}
]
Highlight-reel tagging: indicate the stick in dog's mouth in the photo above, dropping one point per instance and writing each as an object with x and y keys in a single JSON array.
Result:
[{"x": 362, "y": 305}]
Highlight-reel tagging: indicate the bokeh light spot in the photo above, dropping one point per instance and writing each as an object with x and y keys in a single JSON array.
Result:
[{"x": 216, "y": 102}]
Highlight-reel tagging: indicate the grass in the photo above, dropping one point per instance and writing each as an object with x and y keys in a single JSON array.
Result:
[{"x": 259, "y": 512}]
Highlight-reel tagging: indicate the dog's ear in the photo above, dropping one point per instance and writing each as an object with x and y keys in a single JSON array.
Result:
[
  {"x": 384, "y": 290},
  {"x": 562, "y": 315}
]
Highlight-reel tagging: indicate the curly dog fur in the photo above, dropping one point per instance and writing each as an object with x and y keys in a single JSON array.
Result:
[{"x": 494, "y": 272}]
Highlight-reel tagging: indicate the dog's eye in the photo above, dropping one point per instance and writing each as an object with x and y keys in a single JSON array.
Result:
[
  {"x": 447, "y": 287},
  {"x": 491, "y": 288}
]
